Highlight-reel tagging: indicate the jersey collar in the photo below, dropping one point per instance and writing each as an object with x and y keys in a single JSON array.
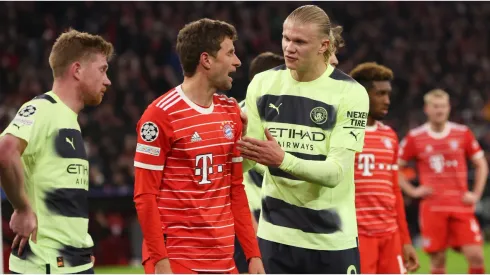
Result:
[{"x": 193, "y": 105}]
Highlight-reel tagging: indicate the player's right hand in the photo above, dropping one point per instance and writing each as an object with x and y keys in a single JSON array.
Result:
[
  {"x": 163, "y": 267},
  {"x": 256, "y": 266},
  {"x": 422, "y": 192},
  {"x": 24, "y": 224}
]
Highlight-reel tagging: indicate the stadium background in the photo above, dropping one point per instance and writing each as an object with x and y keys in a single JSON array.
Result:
[{"x": 426, "y": 44}]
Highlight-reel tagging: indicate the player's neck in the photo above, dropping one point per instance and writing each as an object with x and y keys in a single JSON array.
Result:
[
  {"x": 68, "y": 95},
  {"x": 437, "y": 127},
  {"x": 313, "y": 73},
  {"x": 198, "y": 90},
  {"x": 371, "y": 121}
]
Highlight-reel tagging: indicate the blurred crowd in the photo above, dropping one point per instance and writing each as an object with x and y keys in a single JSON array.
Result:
[{"x": 427, "y": 44}]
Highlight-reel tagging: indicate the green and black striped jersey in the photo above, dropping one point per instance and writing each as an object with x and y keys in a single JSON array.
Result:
[
  {"x": 308, "y": 119},
  {"x": 56, "y": 174}
]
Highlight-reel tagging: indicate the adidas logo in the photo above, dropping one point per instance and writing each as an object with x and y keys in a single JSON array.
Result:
[{"x": 195, "y": 137}]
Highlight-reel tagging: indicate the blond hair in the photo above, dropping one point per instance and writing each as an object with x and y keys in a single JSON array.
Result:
[
  {"x": 436, "y": 93},
  {"x": 314, "y": 14},
  {"x": 72, "y": 46}
]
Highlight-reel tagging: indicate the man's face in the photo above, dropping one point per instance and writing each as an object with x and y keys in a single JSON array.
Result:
[
  {"x": 301, "y": 44},
  {"x": 93, "y": 79},
  {"x": 225, "y": 63},
  {"x": 437, "y": 109},
  {"x": 379, "y": 99}
]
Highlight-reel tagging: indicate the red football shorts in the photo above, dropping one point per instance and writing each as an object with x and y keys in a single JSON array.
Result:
[
  {"x": 149, "y": 265},
  {"x": 381, "y": 255},
  {"x": 441, "y": 230}
]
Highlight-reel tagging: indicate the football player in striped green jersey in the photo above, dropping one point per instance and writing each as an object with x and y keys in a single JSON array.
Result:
[
  {"x": 306, "y": 121},
  {"x": 44, "y": 166}
]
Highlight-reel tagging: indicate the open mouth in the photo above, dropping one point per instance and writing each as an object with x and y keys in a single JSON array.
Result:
[{"x": 231, "y": 75}]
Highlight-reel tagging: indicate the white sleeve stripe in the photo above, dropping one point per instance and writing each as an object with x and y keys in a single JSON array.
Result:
[
  {"x": 477, "y": 155},
  {"x": 148, "y": 166},
  {"x": 237, "y": 159}
]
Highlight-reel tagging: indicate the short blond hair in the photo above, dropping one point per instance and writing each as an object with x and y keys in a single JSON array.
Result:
[
  {"x": 314, "y": 14},
  {"x": 72, "y": 46},
  {"x": 435, "y": 93}
]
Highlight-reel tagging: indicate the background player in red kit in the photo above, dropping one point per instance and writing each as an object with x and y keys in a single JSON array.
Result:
[
  {"x": 188, "y": 191},
  {"x": 381, "y": 222},
  {"x": 440, "y": 149}
]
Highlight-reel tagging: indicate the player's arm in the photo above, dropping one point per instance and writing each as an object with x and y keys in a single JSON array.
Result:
[
  {"x": 406, "y": 153},
  {"x": 475, "y": 153},
  {"x": 347, "y": 138},
  {"x": 149, "y": 161},
  {"x": 17, "y": 139},
  {"x": 239, "y": 205},
  {"x": 255, "y": 128},
  {"x": 11, "y": 170},
  {"x": 399, "y": 203}
]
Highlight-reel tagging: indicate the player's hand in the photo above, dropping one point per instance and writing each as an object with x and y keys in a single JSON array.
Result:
[
  {"x": 256, "y": 266},
  {"x": 163, "y": 267},
  {"x": 266, "y": 152},
  {"x": 410, "y": 258},
  {"x": 24, "y": 224},
  {"x": 422, "y": 192},
  {"x": 470, "y": 198}
]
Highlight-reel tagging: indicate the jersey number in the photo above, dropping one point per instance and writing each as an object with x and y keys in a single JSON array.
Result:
[{"x": 204, "y": 167}]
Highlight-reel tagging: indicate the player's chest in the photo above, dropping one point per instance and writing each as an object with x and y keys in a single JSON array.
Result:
[
  {"x": 450, "y": 147},
  {"x": 205, "y": 137},
  {"x": 378, "y": 154}
]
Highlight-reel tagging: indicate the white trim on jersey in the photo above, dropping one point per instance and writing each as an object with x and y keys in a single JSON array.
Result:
[
  {"x": 164, "y": 101},
  {"x": 478, "y": 155},
  {"x": 439, "y": 135},
  {"x": 193, "y": 105},
  {"x": 148, "y": 166}
]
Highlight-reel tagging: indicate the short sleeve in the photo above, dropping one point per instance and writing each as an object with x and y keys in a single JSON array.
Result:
[
  {"x": 154, "y": 140},
  {"x": 238, "y": 135},
  {"x": 29, "y": 123},
  {"x": 472, "y": 147},
  {"x": 406, "y": 151},
  {"x": 350, "y": 126}
]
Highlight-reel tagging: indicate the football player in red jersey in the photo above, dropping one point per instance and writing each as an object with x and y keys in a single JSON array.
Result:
[
  {"x": 440, "y": 149},
  {"x": 188, "y": 193},
  {"x": 384, "y": 239}
]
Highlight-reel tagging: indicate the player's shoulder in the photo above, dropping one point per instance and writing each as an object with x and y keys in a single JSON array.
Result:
[
  {"x": 159, "y": 108},
  {"x": 386, "y": 129},
  {"x": 40, "y": 107},
  {"x": 224, "y": 101},
  {"x": 457, "y": 127},
  {"x": 418, "y": 131},
  {"x": 271, "y": 74}
]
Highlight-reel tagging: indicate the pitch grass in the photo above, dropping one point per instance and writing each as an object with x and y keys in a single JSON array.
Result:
[{"x": 456, "y": 264}]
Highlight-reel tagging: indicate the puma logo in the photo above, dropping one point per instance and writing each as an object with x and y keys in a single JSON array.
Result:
[
  {"x": 71, "y": 142},
  {"x": 354, "y": 135},
  {"x": 274, "y": 107}
]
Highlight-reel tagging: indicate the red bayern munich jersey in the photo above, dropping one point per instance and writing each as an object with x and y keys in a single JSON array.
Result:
[
  {"x": 441, "y": 163},
  {"x": 379, "y": 203},
  {"x": 195, "y": 148}
]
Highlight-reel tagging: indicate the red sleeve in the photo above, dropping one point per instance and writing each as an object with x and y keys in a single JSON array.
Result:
[
  {"x": 154, "y": 141},
  {"x": 400, "y": 205},
  {"x": 472, "y": 147},
  {"x": 239, "y": 203},
  {"x": 407, "y": 149}
]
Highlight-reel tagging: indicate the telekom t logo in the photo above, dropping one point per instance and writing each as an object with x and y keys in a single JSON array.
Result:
[
  {"x": 366, "y": 164},
  {"x": 205, "y": 169}
]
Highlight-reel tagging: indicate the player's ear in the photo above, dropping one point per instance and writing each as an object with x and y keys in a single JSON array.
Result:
[
  {"x": 324, "y": 46},
  {"x": 205, "y": 60},
  {"x": 76, "y": 70}
]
